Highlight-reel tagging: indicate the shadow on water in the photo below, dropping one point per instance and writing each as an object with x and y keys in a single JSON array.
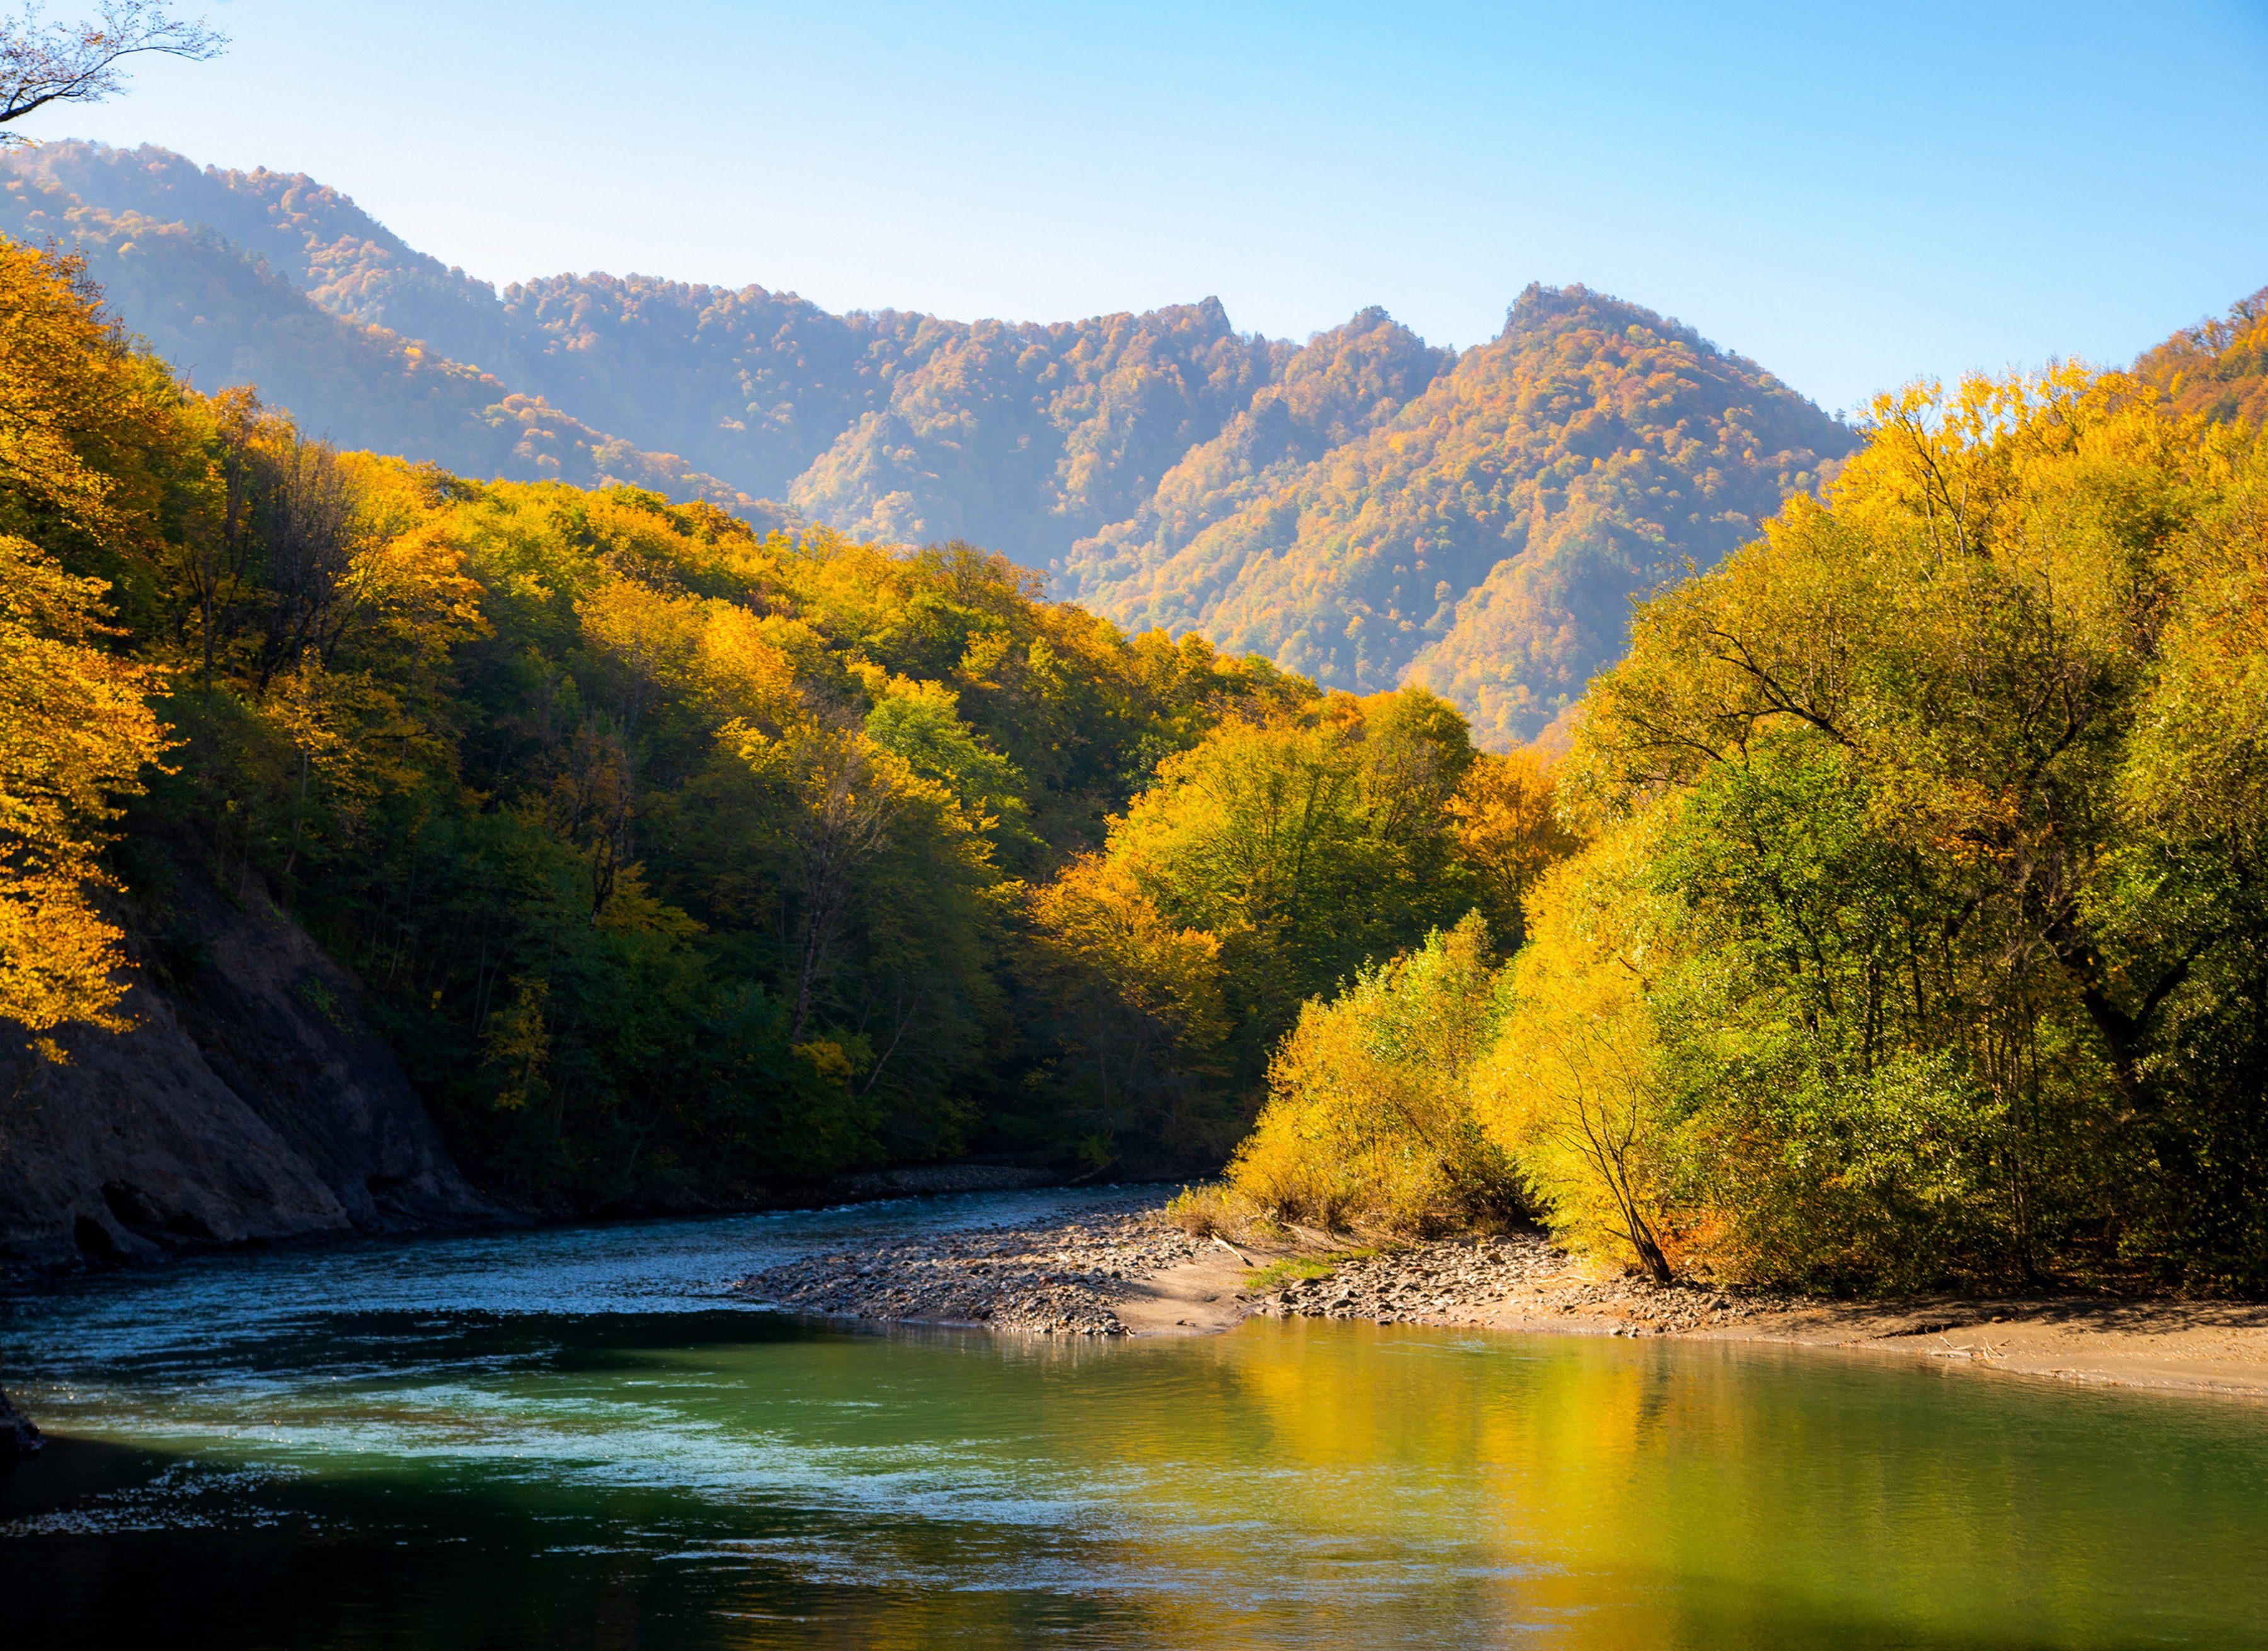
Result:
[
  {"x": 114, "y": 1547},
  {"x": 341, "y": 1343}
]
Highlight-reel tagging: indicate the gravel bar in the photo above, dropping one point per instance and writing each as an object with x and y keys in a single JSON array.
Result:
[
  {"x": 1068, "y": 1279},
  {"x": 1468, "y": 1280},
  {"x": 1053, "y": 1280}
]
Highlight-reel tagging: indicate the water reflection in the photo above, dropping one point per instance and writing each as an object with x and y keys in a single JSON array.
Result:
[{"x": 414, "y": 1446}]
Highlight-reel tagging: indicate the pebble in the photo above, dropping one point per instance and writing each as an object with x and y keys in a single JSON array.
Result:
[
  {"x": 1466, "y": 1279},
  {"x": 1054, "y": 1281}
]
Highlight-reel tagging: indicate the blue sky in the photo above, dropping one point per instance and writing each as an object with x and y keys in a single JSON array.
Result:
[{"x": 1852, "y": 195}]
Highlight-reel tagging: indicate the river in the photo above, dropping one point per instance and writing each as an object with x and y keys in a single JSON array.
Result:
[{"x": 573, "y": 1437}]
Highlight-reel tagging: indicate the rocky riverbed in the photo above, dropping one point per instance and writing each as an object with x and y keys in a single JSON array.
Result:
[
  {"x": 1063, "y": 1279},
  {"x": 1474, "y": 1281},
  {"x": 1088, "y": 1276},
  {"x": 1127, "y": 1270}
]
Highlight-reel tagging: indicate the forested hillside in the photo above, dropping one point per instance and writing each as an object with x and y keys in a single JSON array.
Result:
[
  {"x": 2218, "y": 367},
  {"x": 1339, "y": 386},
  {"x": 1486, "y": 539},
  {"x": 677, "y": 859},
  {"x": 1365, "y": 507},
  {"x": 1916, "y": 928},
  {"x": 223, "y": 314},
  {"x": 904, "y": 426},
  {"x": 1898, "y": 918}
]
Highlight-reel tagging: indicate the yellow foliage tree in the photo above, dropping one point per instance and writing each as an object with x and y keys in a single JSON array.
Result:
[
  {"x": 1368, "y": 1117},
  {"x": 1508, "y": 832},
  {"x": 1575, "y": 1088},
  {"x": 75, "y": 732},
  {"x": 741, "y": 669},
  {"x": 1140, "y": 998},
  {"x": 65, "y": 386}
]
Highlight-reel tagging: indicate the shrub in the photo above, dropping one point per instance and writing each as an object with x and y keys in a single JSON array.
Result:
[{"x": 1368, "y": 1121}]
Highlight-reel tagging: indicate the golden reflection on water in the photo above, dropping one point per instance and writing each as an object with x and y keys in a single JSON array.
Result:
[{"x": 1609, "y": 1494}]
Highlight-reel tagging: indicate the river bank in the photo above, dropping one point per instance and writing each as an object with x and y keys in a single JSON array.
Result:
[{"x": 1128, "y": 1270}]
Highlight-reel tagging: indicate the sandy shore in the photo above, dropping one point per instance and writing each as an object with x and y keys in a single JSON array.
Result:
[{"x": 1126, "y": 1271}]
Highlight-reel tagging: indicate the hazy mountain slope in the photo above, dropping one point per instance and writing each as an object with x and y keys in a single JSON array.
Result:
[
  {"x": 1487, "y": 538},
  {"x": 694, "y": 361},
  {"x": 1026, "y": 438},
  {"x": 2218, "y": 367},
  {"x": 1341, "y": 385},
  {"x": 1020, "y": 437},
  {"x": 311, "y": 237},
  {"x": 750, "y": 383},
  {"x": 223, "y": 317}
]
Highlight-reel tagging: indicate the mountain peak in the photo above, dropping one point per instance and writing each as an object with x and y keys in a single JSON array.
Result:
[{"x": 1546, "y": 309}]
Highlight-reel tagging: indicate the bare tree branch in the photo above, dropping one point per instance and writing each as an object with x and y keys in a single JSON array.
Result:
[{"x": 43, "y": 62}]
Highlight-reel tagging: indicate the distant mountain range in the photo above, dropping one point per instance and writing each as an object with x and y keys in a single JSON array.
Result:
[{"x": 1365, "y": 508}]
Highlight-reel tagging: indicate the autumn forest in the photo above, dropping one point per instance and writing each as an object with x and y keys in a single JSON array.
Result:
[{"x": 1572, "y": 779}]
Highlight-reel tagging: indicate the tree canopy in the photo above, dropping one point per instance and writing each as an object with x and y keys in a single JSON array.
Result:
[{"x": 1915, "y": 929}]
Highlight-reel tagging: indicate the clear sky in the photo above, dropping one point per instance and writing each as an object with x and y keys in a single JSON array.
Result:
[{"x": 1852, "y": 195}]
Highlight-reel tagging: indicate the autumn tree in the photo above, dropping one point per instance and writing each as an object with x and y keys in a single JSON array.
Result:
[
  {"x": 2218, "y": 367},
  {"x": 1508, "y": 832},
  {"x": 76, "y": 733},
  {"x": 43, "y": 62},
  {"x": 1368, "y": 1119},
  {"x": 1577, "y": 1090}
]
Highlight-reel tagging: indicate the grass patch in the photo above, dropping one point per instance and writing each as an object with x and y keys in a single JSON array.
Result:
[{"x": 1277, "y": 1274}]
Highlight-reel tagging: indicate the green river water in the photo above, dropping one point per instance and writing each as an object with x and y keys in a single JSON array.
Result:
[{"x": 574, "y": 1438}]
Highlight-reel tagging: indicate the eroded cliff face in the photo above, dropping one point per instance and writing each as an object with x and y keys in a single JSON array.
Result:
[{"x": 251, "y": 1102}]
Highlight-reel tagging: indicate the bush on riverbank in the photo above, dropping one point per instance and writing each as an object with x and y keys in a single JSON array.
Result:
[{"x": 1368, "y": 1121}]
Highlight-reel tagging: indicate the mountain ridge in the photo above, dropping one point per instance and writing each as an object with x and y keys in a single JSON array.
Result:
[
  {"x": 1364, "y": 507},
  {"x": 1486, "y": 538}
]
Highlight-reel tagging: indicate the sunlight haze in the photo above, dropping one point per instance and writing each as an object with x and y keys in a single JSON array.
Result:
[{"x": 1837, "y": 197}]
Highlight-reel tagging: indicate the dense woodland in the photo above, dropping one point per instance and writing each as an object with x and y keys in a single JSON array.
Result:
[
  {"x": 2218, "y": 367},
  {"x": 1486, "y": 538},
  {"x": 1919, "y": 926},
  {"x": 679, "y": 860},
  {"x": 1364, "y": 509},
  {"x": 1896, "y": 917}
]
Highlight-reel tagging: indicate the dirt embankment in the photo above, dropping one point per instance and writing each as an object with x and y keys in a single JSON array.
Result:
[
  {"x": 250, "y": 1103},
  {"x": 1128, "y": 1271}
]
